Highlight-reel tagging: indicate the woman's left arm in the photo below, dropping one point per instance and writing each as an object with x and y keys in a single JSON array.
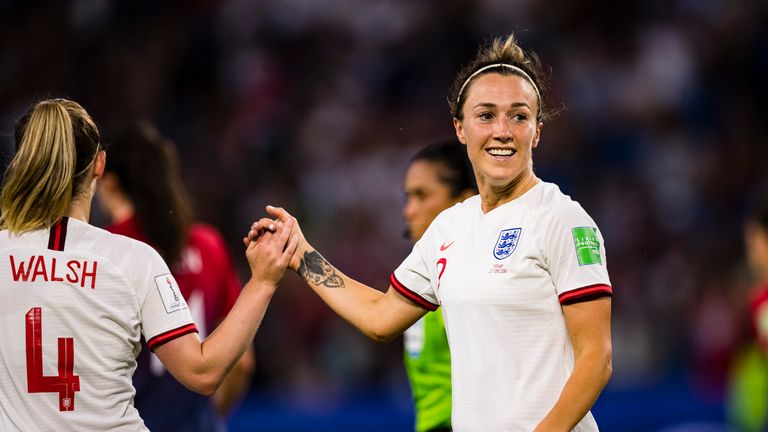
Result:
[{"x": 589, "y": 328}]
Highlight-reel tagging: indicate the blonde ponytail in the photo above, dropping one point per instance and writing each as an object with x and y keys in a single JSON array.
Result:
[{"x": 39, "y": 184}]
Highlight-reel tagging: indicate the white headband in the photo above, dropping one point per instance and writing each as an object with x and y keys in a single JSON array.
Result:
[{"x": 504, "y": 65}]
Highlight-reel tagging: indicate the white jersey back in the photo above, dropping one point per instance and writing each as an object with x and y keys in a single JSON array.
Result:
[
  {"x": 74, "y": 303},
  {"x": 501, "y": 278}
]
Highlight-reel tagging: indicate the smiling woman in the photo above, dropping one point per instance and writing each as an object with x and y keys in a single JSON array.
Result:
[
  {"x": 500, "y": 131},
  {"x": 518, "y": 271},
  {"x": 498, "y": 112}
]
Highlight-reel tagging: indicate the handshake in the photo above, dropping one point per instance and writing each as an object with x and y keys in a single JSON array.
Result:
[{"x": 274, "y": 245}]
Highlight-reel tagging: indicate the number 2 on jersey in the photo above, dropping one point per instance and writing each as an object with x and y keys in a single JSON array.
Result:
[
  {"x": 442, "y": 263},
  {"x": 66, "y": 383}
]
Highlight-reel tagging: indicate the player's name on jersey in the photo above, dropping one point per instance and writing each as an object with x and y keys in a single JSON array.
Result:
[{"x": 39, "y": 268}]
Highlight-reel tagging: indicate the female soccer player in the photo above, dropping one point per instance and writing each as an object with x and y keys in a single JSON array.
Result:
[
  {"x": 75, "y": 300},
  {"x": 519, "y": 270},
  {"x": 155, "y": 209}
]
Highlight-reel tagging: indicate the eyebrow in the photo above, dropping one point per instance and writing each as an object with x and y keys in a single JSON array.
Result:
[{"x": 493, "y": 105}]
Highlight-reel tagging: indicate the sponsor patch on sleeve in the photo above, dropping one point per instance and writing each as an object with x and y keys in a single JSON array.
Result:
[
  {"x": 170, "y": 293},
  {"x": 587, "y": 245}
]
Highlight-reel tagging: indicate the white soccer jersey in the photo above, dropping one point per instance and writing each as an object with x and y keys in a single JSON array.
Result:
[
  {"x": 501, "y": 278},
  {"x": 74, "y": 303}
]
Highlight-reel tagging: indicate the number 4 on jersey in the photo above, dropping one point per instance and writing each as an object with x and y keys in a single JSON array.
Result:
[{"x": 66, "y": 383}]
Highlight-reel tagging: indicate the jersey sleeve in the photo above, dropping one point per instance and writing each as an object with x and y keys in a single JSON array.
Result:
[
  {"x": 164, "y": 312},
  {"x": 575, "y": 255},
  {"x": 413, "y": 278}
]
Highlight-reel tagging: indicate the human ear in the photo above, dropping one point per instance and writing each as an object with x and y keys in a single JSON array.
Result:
[
  {"x": 99, "y": 164},
  {"x": 459, "y": 130},
  {"x": 537, "y": 135}
]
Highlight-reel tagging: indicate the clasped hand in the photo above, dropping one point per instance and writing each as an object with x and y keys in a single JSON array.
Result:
[{"x": 272, "y": 245}]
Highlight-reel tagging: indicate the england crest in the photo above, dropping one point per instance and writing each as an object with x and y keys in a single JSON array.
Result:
[{"x": 507, "y": 243}]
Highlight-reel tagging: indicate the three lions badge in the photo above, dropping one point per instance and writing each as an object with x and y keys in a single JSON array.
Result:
[{"x": 507, "y": 243}]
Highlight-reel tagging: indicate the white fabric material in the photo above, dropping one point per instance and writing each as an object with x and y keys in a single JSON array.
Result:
[
  {"x": 511, "y": 354},
  {"x": 105, "y": 323}
]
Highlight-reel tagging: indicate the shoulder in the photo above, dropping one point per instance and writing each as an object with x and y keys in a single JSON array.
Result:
[
  {"x": 450, "y": 218},
  {"x": 116, "y": 247},
  {"x": 553, "y": 206},
  {"x": 459, "y": 211}
]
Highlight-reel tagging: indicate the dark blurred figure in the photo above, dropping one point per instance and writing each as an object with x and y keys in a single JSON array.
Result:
[
  {"x": 143, "y": 195},
  {"x": 438, "y": 177}
]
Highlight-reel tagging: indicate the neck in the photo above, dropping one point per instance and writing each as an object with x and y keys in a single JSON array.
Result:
[
  {"x": 493, "y": 197},
  {"x": 80, "y": 209}
]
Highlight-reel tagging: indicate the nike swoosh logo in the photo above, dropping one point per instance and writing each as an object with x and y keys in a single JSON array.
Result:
[{"x": 446, "y": 246}]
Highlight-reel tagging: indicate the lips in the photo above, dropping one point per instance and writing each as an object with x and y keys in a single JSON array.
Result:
[{"x": 501, "y": 152}]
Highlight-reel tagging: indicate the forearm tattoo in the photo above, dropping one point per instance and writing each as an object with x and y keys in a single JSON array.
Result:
[{"x": 316, "y": 270}]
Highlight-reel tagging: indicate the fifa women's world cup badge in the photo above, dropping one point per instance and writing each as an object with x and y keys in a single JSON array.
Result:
[{"x": 507, "y": 243}]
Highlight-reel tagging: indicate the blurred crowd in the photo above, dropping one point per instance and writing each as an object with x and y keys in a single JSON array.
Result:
[{"x": 318, "y": 105}]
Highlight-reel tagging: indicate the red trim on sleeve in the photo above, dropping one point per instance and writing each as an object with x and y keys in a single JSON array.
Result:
[
  {"x": 410, "y": 295},
  {"x": 171, "y": 335},
  {"x": 590, "y": 292}
]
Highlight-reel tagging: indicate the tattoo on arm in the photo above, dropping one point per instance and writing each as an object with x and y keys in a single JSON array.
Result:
[{"x": 317, "y": 271}]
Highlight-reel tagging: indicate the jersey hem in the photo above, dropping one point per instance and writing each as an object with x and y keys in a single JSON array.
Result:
[{"x": 410, "y": 295}]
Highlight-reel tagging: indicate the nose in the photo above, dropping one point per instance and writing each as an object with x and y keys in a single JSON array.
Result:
[
  {"x": 408, "y": 210},
  {"x": 502, "y": 130}
]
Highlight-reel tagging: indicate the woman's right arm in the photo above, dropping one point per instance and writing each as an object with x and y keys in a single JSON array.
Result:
[
  {"x": 380, "y": 316},
  {"x": 202, "y": 366}
]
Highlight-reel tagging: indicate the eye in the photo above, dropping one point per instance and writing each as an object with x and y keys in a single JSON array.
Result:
[
  {"x": 485, "y": 116},
  {"x": 415, "y": 195},
  {"x": 521, "y": 117}
]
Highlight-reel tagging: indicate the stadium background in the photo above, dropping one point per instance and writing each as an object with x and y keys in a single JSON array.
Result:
[{"x": 317, "y": 106}]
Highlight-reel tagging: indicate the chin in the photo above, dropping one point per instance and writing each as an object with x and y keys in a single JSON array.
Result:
[
  {"x": 415, "y": 235},
  {"x": 501, "y": 175},
  {"x": 500, "y": 179}
]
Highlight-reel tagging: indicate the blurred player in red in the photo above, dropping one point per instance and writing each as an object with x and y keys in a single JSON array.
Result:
[
  {"x": 75, "y": 300},
  {"x": 143, "y": 194}
]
